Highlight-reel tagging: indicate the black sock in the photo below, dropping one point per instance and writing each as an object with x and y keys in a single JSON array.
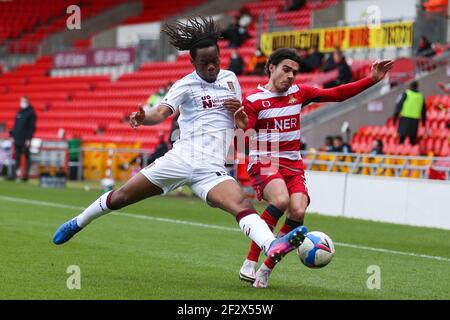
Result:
[
  {"x": 274, "y": 211},
  {"x": 293, "y": 224}
]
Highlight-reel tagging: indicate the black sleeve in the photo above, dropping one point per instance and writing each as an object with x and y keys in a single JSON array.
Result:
[
  {"x": 329, "y": 64},
  {"x": 398, "y": 107},
  {"x": 424, "y": 113},
  {"x": 12, "y": 132},
  {"x": 31, "y": 128}
]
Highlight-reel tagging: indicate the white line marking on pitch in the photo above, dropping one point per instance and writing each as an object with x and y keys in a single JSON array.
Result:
[{"x": 209, "y": 226}]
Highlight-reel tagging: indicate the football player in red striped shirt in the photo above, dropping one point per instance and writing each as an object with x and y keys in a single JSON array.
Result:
[{"x": 276, "y": 167}]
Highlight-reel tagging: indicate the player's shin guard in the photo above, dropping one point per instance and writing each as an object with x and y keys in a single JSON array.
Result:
[
  {"x": 255, "y": 228},
  {"x": 98, "y": 208},
  {"x": 287, "y": 227},
  {"x": 271, "y": 215}
]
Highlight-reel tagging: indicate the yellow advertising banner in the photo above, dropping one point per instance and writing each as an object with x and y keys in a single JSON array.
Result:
[{"x": 397, "y": 34}]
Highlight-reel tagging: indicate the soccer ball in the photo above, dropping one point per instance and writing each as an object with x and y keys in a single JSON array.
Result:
[
  {"x": 107, "y": 184},
  {"x": 317, "y": 250}
]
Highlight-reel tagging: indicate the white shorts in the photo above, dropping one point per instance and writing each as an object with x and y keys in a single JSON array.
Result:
[{"x": 172, "y": 171}]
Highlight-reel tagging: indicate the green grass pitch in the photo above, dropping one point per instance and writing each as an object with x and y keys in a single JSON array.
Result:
[{"x": 179, "y": 248}]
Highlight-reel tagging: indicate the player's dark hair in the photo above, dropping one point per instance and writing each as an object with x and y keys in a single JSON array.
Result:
[
  {"x": 195, "y": 34},
  {"x": 279, "y": 55}
]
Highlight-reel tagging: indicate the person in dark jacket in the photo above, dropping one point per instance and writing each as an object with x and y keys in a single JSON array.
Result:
[
  {"x": 344, "y": 71},
  {"x": 377, "y": 147},
  {"x": 411, "y": 108},
  {"x": 22, "y": 133},
  {"x": 329, "y": 61},
  {"x": 236, "y": 63},
  {"x": 328, "y": 145},
  {"x": 340, "y": 146},
  {"x": 314, "y": 59},
  {"x": 425, "y": 48}
]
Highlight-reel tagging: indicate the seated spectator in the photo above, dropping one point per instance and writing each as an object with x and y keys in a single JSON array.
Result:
[
  {"x": 236, "y": 63},
  {"x": 340, "y": 146},
  {"x": 345, "y": 73},
  {"x": 377, "y": 147},
  {"x": 329, "y": 63},
  {"x": 245, "y": 18},
  {"x": 257, "y": 63},
  {"x": 314, "y": 59},
  {"x": 425, "y": 49},
  {"x": 328, "y": 145},
  {"x": 303, "y": 54},
  {"x": 294, "y": 5},
  {"x": 236, "y": 33}
]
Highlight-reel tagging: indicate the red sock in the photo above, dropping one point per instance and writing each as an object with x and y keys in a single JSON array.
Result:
[
  {"x": 255, "y": 250},
  {"x": 284, "y": 229}
]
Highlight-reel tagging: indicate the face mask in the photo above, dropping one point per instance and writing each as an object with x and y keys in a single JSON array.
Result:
[{"x": 23, "y": 104}]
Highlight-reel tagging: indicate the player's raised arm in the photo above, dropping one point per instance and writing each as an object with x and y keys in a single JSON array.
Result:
[
  {"x": 345, "y": 91},
  {"x": 154, "y": 116}
]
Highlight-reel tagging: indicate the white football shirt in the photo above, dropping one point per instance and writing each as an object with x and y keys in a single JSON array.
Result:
[{"x": 206, "y": 126}]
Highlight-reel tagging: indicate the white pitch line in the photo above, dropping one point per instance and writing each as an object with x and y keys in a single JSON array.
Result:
[{"x": 209, "y": 226}]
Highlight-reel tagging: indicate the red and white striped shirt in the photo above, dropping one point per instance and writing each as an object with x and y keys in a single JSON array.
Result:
[{"x": 276, "y": 118}]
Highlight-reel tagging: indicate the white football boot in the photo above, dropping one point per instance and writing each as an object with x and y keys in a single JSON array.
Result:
[
  {"x": 248, "y": 271},
  {"x": 262, "y": 277}
]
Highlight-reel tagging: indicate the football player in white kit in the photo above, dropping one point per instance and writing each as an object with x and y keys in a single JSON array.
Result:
[{"x": 198, "y": 157}]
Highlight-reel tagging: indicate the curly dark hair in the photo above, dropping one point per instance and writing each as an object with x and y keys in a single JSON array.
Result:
[{"x": 196, "y": 33}]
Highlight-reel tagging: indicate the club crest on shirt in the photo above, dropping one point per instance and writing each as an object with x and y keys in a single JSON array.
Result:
[
  {"x": 266, "y": 103},
  {"x": 292, "y": 99},
  {"x": 231, "y": 86}
]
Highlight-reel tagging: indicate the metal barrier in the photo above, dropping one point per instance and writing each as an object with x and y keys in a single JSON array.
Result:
[{"x": 377, "y": 165}]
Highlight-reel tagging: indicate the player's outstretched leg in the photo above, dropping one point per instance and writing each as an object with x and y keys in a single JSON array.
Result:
[
  {"x": 266, "y": 268},
  {"x": 248, "y": 270},
  {"x": 228, "y": 196},
  {"x": 136, "y": 189},
  {"x": 285, "y": 244},
  {"x": 276, "y": 193},
  {"x": 297, "y": 208},
  {"x": 66, "y": 231}
]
